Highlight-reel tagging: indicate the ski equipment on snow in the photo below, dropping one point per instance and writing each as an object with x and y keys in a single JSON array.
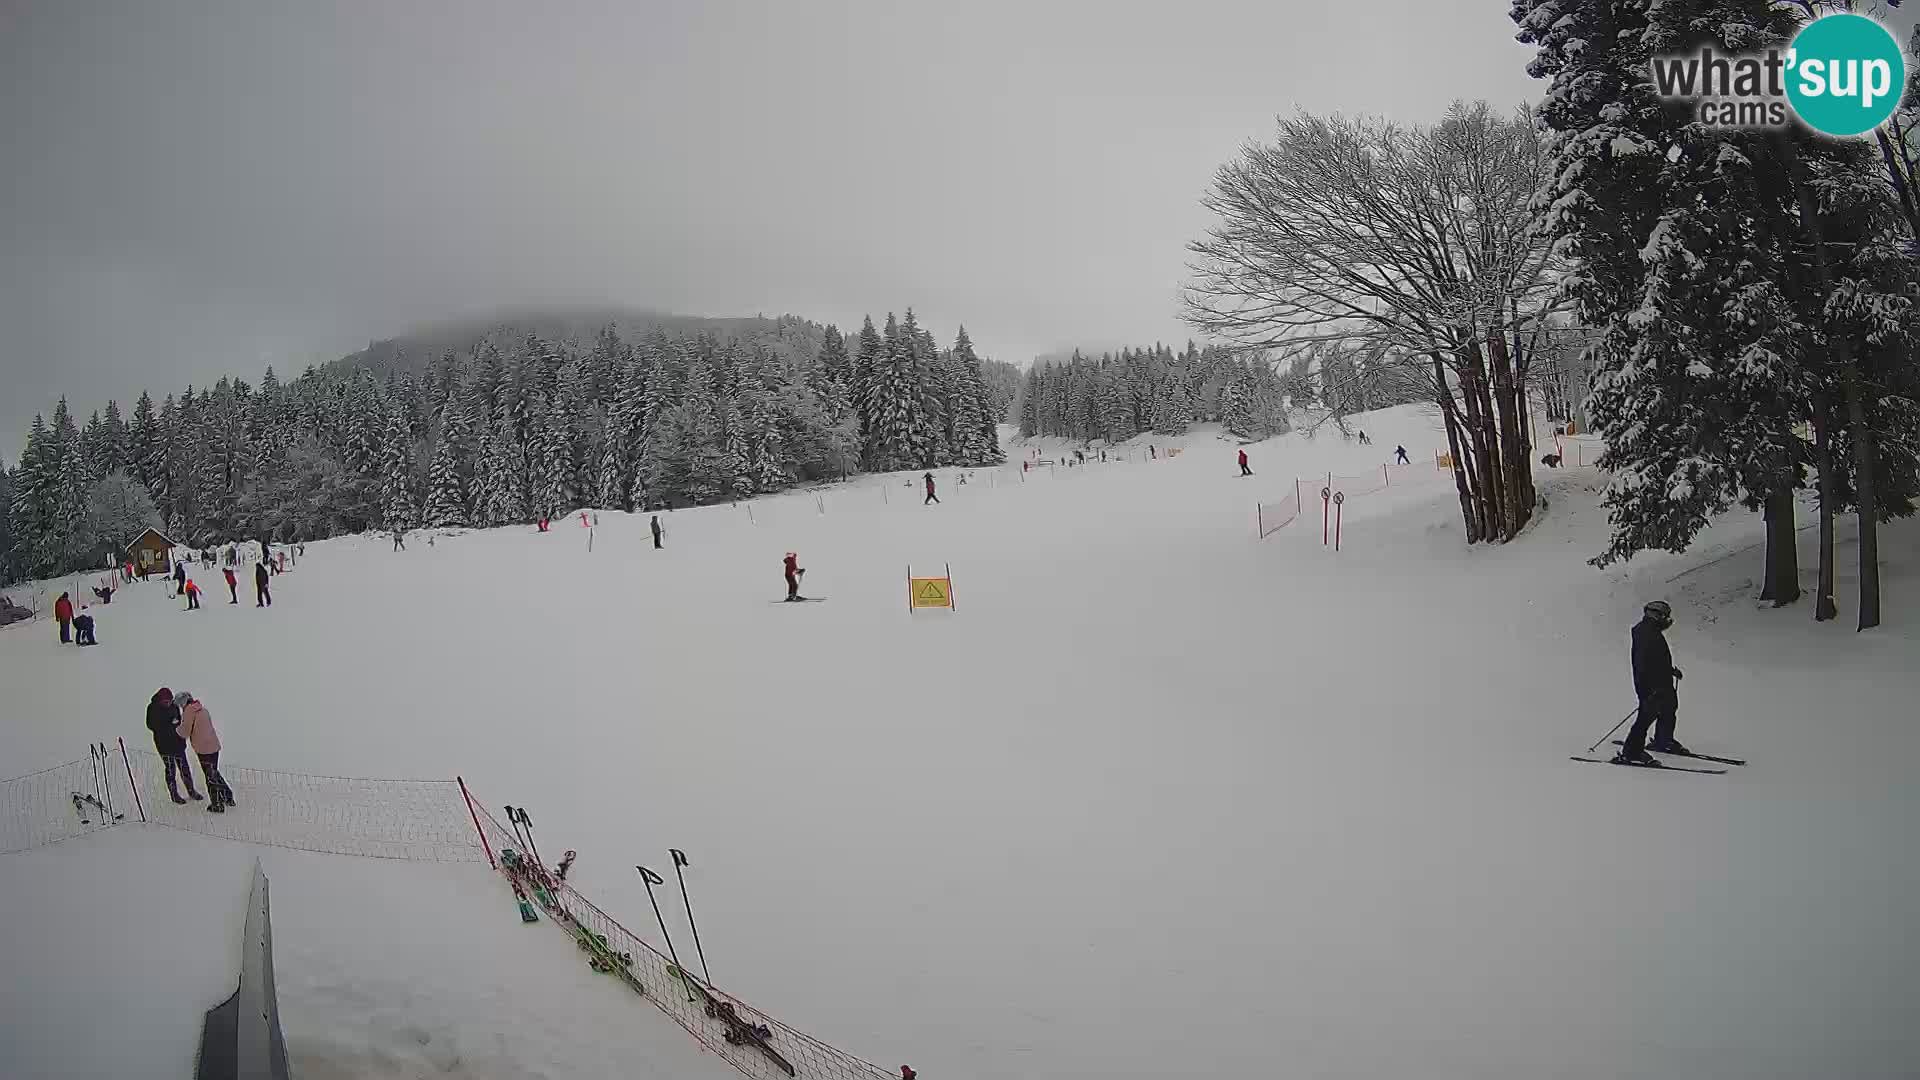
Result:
[
  {"x": 1648, "y": 765},
  {"x": 1691, "y": 754}
]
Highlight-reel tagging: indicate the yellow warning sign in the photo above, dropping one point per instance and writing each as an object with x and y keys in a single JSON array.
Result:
[{"x": 927, "y": 592}]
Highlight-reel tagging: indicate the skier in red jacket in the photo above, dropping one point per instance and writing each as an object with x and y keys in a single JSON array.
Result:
[
  {"x": 1244, "y": 471},
  {"x": 63, "y": 611},
  {"x": 792, "y": 564}
]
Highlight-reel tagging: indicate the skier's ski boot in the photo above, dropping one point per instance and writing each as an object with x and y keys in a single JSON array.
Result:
[
  {"x": 216, "y": 808},
  {"x": 1671, "y": 746},
  {"x": 1634, "y": 757},
  {"x": 177, "y": 799},
  {"x": 195, "y": 796}
]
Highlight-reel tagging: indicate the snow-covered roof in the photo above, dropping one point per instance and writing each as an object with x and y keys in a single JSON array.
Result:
[{"x": 164, "y": 538}]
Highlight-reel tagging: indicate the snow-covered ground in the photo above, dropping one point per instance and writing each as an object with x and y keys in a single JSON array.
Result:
[{"x": 1159, "y": 799}]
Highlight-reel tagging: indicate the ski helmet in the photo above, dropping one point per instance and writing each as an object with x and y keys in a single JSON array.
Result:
[{"x": 1661, "y": 611}]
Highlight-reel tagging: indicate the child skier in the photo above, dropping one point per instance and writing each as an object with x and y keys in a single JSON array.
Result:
[
  {"x": 931, "y": 497},
  {"x": 1244, "y": 471},
  {"x": 794, "y": 573}
]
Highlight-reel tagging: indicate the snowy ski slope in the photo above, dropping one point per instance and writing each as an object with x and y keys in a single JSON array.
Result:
[{"x": 1159, "y": 799}]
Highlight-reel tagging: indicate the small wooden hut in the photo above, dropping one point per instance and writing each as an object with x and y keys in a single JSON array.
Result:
[{"x": 150, "y": 553}]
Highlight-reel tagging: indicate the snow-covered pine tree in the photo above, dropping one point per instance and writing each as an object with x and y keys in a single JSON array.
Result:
[
  {"x": 1696, "y": 338},
  {"x": 504, "y": 469},
  {"x": 1029, "y": 406},
  {"x": 446, "y": 492},
  {"x": 398, "y": 506},
  {"x": 613, "y": 473},
  {"x": 865, "y": 371}
]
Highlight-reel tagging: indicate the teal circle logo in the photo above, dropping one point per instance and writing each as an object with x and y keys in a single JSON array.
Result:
[{"x": 1846, "y": 75}]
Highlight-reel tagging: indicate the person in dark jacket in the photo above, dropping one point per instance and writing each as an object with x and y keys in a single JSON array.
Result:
[
  {"x": 63, "y": 613},
  {"x": 163, "y": 719},
  {"x": 1656, "y": 681},
  {"x": 655, "y": 526},
  {"x": 179, "y": 577},
  {"x": 1400, "y": 456},
  {"x": 262, "y": 596},
  {"x": 83, "y": 628},
  {"x": 792, "y": 566}
]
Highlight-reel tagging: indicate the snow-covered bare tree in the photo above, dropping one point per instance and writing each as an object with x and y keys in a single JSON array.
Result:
[{"x": 1416, "y": 240}]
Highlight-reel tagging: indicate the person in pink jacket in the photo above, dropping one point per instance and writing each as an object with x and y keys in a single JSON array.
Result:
[{"x": 196, "y": 726}]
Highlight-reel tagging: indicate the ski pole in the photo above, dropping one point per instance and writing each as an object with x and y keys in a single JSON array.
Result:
[
  {"x": 513, "y": 819},
  {"x": 1609, "y": 734},
  {"x": 651, "y": 880},
  {"x": 531, "y": 846},
  {"x": 680, "y": 860}
]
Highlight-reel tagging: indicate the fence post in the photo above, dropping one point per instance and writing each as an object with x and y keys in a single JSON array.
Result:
[
  {"x": 1259, "y": 520},
  {"x": 475, "y": 815},
  {"x": 1326, "y": 496},
  {"x": 1339, "y": 498},
  {"x": 1385, "y": 476}
]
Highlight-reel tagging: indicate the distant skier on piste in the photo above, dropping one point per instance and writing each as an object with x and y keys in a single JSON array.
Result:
[
  {"x": 1656, "y": 681},
  {"x": 931, "y": 497},
  {"x": 794, "y": 574},
  {"x": 1244, "y": 470},
  {"x": 1400, "y": 455},
  {"x": 656, "y": 531}
]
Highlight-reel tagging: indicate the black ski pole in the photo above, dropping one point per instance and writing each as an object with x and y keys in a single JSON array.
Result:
[
  {"x": 527, "y": 822},
  {"x": 680, "y": 860},
  {"x": 1609, "y": 734},
  {"x": 653, "y": 879},
  {"x": 513, "y": 819},
  {"x": 106, "y": 778}
]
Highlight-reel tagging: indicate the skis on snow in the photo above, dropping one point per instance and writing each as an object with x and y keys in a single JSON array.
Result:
[
  {"x": 1658, "y": 765},
  {"x": 1692, "y": 754},
  {"x": 740, "y": 1031}
]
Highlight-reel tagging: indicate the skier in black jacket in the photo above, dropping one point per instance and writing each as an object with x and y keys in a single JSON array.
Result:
[
  {"x": 163, "y": 719},
  {"x": 262, "y": 593},
  {"x": 1656, "y": 681}
]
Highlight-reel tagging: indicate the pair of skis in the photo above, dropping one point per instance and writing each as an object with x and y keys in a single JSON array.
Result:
[
  {"x": 1669, "y": 767},
  {"x": 101, "y": 800}
]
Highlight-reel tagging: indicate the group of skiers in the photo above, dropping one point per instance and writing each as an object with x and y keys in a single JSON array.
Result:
[
  {"x": 179, "y": 721},
  {"x": 184, "y": 585}
]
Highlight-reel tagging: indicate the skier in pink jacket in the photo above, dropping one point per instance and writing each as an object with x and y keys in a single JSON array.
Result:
[{"x": 196, "y": 726}]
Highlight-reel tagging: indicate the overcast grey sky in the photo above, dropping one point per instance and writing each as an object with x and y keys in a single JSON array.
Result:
[{"x": 195, "y": 188}]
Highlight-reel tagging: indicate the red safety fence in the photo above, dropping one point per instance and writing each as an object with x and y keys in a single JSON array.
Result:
[{"x": 750, "y": 1040}]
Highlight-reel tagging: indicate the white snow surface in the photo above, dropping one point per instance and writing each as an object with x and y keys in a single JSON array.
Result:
[{"x": 1158, "y": 799}]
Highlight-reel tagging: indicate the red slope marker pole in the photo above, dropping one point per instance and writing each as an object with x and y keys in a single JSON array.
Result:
[{"x": 475, "y": 815}]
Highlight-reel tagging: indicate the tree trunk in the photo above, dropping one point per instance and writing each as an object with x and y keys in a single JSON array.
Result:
[
  {"x": 1783, "y": 556},
  {"x": 1482, "y": 432},
  {"x": 1516, "y": 478},
  {"x": 1823, "y": 605},
  {"x": 1443, "y": 396},
  {"x": 1869, "y": 501},
  {"x": 1863, "y": 443}
]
